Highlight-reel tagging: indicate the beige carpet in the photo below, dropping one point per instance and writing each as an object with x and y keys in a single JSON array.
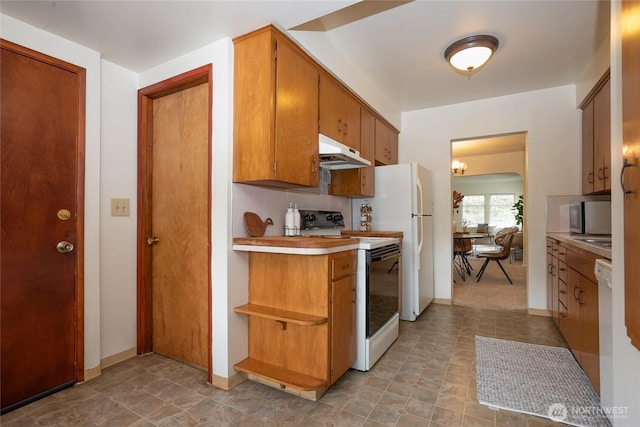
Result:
[{"x": 493, "y": 291}]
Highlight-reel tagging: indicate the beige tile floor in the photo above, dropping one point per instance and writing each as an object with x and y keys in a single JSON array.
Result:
[{"x": 427, "y": 378}]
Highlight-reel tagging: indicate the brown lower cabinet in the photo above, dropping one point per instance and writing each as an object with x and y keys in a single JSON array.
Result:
[
  {"x": 302, "y": 320},
  {"x": 573, "y": 302},
  {"x": 582, "y": 313}
]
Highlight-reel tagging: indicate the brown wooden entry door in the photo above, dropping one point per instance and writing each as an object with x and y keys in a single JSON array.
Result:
[
  {"x": 42, "y": 115},
  {"x": 177, "y": 215}
]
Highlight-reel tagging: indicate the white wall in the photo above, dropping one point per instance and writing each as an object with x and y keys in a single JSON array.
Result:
[
  {"x": 553, "y": 148},
  {"x": 118, "y": 160},
  {"x": 49, "y": 44},
  {"x": 594, "y": 71},
  {"x": 350, "y": 74},
  {"x": 626, "y": 358}
]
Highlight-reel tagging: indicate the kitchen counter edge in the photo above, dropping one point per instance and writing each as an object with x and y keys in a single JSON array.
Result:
[
  {"x": 294, "y": 245},
  {"x": 573, "y": 240}
]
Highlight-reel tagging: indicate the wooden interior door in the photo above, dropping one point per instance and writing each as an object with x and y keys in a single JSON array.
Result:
[
  {"x": 174, "y": 220},
  {"x": 42, "y": 127}
]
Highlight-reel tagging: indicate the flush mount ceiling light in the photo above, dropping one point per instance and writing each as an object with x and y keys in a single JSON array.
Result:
[{"x": 470, "y": 53}]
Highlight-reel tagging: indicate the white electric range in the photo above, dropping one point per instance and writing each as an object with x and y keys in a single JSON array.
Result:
[{"x": 377, "y": 285}]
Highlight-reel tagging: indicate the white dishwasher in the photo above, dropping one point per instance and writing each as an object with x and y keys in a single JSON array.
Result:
[{"x": 603, "y": 274}]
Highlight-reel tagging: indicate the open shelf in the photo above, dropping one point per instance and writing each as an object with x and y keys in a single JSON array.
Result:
[
  {"x": 282, "y": 376},
  {"x": 280, "y": 315}
]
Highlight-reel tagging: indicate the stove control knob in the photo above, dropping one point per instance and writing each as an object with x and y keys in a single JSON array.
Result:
[{"x": 329, "y": 217}]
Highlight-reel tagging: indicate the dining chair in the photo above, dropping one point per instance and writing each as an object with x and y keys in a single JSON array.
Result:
[
  {"x": 504, "y": 240},
  {"x": 480, "y": 229}
]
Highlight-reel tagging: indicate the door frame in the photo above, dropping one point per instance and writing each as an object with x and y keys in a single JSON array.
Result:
[
  {"x": 79, "y": 193},
  {"x": 146, "y": 96}
]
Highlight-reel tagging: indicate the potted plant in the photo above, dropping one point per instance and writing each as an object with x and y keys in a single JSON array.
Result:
[{"x": 518, "y": 208}]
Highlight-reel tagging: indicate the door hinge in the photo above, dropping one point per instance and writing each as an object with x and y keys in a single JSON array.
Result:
[
  {"x": 331, "y": 297},
  {"x": 274, "y": 166}
]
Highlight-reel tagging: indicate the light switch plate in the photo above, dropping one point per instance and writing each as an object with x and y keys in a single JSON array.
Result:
[{"x": 119, "y": 207}]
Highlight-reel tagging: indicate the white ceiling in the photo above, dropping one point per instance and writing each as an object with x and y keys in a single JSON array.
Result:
[{"x": 542, "y": 43}]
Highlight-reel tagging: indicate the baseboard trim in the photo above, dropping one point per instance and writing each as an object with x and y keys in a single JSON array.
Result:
[
  {"x": 539, "y": 312},
  {"x": 228, "y": 383},
  {"x": 109, "y": 361},
  {"x": 443, "y": 301},
  {"x": 92, "y": 373},
  {"x": 118, "y": 357}
]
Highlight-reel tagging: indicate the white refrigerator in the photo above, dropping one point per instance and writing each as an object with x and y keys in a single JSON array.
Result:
[{"x": 403, "y": 202}]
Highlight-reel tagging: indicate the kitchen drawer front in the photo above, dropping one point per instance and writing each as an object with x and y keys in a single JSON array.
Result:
[
  {"x": 562, "y": 271},
  {"x": 550, "y": 246},
  {"x": 563, "y": 319},
  {"x": 562, "y": 252},
  {"x": 562, "y": 292},
  {"x": 343, "y": 264},
  {"x": 583, "y": 262}
]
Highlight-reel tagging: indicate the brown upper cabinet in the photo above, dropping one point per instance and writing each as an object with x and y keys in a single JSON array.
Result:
[
  {"x": 339, "y": 113},
  {"x": 358, "y": 182},
  {"x": 283, "y": 99},
  {"x": 275, "y": 127},
  {"x": 386, "y": 144},
  {"x": 596, "y": 138}
]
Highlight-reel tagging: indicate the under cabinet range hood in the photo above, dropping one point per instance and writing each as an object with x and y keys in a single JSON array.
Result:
[{"x": 335, "y": 155}]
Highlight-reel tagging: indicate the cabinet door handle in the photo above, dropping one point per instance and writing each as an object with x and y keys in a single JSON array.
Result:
[
  {"x": 314, "y": 169},
  {"x": 345, "y": 128},
  {"x": 575, "y": 288},
  {"x": 590, "y": 178},
  {"x": 600, "y": 174},
  {"x": 580, "y": 297},
  {"x": 625, "y": 165},
  {"x": 339, "y": 126}
]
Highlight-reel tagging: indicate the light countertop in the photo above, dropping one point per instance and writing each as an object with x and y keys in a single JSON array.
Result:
[
  {"x": 572, "y": 239},
  {"x": 298, "y": 245}
]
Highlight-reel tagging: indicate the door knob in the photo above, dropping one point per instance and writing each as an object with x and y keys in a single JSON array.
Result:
[
  {"x": 63, "y": 247},
  {"x": 153, "y": 240}
]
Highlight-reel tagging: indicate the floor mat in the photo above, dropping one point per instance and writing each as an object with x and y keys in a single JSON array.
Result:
[{"x": 536, "y": 379}]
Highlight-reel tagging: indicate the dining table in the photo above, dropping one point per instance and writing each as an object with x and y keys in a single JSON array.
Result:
[{"x": 462, "y": 244}]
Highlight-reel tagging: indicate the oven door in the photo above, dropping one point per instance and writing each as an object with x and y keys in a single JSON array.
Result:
[{"x": 383, "y": 291}]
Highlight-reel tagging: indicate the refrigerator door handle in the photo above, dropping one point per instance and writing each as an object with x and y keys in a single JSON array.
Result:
[
  {"x": 418, "y": 207},
  {"x": 420, "y": 241}
]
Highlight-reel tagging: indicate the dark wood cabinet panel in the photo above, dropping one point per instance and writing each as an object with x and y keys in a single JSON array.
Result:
[{"x": 631, "y": 174}]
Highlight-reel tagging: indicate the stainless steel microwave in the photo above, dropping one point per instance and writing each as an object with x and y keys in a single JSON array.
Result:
[{"x": 590, "y": 217}]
